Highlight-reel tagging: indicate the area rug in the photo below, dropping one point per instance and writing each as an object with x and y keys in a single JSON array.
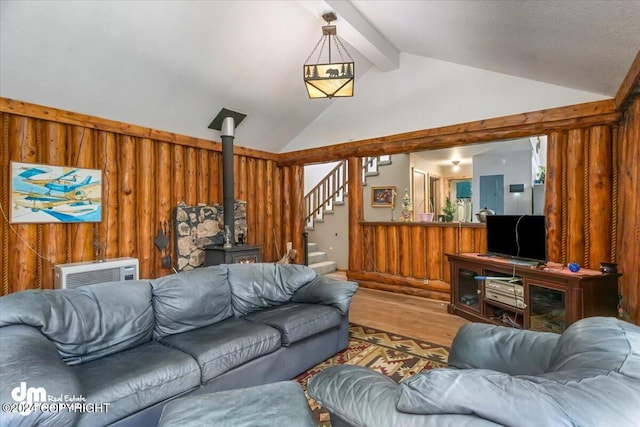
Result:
[{"x": 393, "y": 355}]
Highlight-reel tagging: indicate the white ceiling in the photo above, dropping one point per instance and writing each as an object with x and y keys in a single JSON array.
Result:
[{"x": 172, "y": 65}]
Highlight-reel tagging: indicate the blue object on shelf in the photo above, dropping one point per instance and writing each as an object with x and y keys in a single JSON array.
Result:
[{"x": 574, "y": 267}]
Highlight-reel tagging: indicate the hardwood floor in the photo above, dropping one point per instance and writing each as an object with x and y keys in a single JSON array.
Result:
[{"x": 415, "y": 317}]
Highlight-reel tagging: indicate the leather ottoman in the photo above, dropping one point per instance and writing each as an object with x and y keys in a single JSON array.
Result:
[{"x": 277, "y": 404}]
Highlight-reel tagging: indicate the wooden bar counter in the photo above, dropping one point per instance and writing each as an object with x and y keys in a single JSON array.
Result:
[{"x": 409, "y": 257}]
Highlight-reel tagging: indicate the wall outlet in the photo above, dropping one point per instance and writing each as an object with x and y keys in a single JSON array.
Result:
[
  {"x": 425, "y": 281},
  {"x": 166, "y": 262}
]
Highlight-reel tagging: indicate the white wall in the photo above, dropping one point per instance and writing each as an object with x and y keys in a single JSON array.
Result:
[
  {"x": 313, "y": 174},
  {"x": 429, "y": 168},
  {"x": 332, "y": 235},
  {"x": 395, "y": 102},
  {"x": 445, "y": 172},
  {"x": 398, "y": 174}
]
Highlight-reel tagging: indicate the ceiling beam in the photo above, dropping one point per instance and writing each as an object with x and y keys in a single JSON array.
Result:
[{"x": 359, "y": 33}]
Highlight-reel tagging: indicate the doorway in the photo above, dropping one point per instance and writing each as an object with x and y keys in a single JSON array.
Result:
[
  {"x": 419, "y": 182},
  {"x": 435, "y": 194},
  {"x": 492, "y": 193}
]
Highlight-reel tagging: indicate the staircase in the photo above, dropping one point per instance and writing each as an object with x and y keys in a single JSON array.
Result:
[
  {"x": 334, "y": 187},
  {"x": 330, "y": 192},
  {"x": 318, "y": 261}
]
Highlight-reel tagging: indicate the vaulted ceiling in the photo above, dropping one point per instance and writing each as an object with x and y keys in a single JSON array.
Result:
[{"x": 172, "y": 65}]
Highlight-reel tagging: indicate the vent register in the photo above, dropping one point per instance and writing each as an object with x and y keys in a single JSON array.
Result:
[{"x": 69, "y": 276}]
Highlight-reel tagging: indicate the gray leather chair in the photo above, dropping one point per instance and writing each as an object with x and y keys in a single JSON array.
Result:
[{"x": 588, "y": 376}]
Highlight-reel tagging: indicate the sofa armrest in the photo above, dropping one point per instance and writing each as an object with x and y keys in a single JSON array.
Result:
[
  {"x": 362, "y": 397},
  {"x": 327, "y": 291},
  {"x": 502, "y": 349},
  {"x": 28, "y": 361},
  {"x": 518, "y": 401},
  {"x": 358, "y": 395}
]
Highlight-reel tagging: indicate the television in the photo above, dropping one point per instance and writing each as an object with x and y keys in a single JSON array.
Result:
[{"x": 521, "y": 237}]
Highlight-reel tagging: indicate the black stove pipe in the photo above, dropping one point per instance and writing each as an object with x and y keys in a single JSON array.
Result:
[{"x": 228, "y": 201}]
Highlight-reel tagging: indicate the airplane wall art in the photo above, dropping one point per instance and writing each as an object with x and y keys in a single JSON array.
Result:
[{"x": 46, "y": 193}]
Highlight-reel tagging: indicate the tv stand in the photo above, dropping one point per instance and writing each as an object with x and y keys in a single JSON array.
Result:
[
  {"x": 538, "y": 297},
  {"x": 486, "y": 255},
  {"x": 524, "y": 263}
]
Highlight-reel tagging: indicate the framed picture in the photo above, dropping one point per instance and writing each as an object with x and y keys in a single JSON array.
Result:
[
  {"x": 383, "y": 197},
  {"x": 46, "y": 193}
]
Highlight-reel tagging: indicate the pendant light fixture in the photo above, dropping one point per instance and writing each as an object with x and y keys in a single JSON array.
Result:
[{"x": 324, "y": 78}]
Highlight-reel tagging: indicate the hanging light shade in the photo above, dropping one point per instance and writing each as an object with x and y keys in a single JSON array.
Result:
[{"x": 324, "y": 78}]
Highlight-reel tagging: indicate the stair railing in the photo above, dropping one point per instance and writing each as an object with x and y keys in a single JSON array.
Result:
[{"x": 333, "y": 188}]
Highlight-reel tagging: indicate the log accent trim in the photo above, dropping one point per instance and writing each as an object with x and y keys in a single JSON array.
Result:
[
  {"x": 435, "y": 289},
  {"x": 513, "y": 126},
  {"x": 628, "y": 209},
  {"x": 426, "y": 224},
  {"x": 5, "y": 185},
  {"x": 36, "y": 111},
  {"x": 630, "y": 86}
]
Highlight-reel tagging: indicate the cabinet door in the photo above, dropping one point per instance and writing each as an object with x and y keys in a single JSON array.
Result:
[
  {"x": 547, "y": 307},
  {"x": 468, "y": 290}
]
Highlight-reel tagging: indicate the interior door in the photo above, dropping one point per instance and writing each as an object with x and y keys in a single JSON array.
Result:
[
  {"x": 419, "y": 182},
  {"x": 492, "y": 193},
  {"x": 435, "y": 202}
]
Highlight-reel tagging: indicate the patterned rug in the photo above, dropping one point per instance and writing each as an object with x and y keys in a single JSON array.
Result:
[{"x": 393, "y": 355}]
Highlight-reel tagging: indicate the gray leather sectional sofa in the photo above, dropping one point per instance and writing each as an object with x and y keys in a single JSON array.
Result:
[
  {"x": 588, "y": 376},
  {"x": 119, "y": 351}
]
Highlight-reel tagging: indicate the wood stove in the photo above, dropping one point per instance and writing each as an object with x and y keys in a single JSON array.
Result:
[
  {"x": 240, "y": 254},
  {"x": 230, "y": 253}
]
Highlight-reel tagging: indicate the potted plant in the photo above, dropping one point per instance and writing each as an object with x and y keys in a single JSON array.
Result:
[
  {"x": 541, "y": 175},
  {"x": 449, "y": 209}
]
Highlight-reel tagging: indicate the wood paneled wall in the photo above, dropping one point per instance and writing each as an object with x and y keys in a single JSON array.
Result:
[
  {"x": 410, "y": 257},
  {"x": 627, "y": 244},
  {"x": 581, "y": 186},
  {"x": 592, "y": 186},
  {"x": 580, "y": 220},
  {"x": 146, "y": 173},
  {"x": 579, "y": 193}
]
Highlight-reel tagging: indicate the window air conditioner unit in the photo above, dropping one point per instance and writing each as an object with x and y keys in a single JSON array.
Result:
[{"x": 69, "y": 276}]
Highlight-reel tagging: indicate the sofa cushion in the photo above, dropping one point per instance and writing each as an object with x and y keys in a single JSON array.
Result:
[
  {"x": 359, "y": 396},
  {"x": 297, "y": 321},
  {"x": 191, "y": 300},
  {"x": 588, "y": 389},
  {"x": 494, "y": 396},
  {"x": 499, "y": 348},
  {"x": 28, "y": 357},
  {"x": 523, "y": 401},
  {"x": 261, "y": 285},
  {"x": 87, "y": 322},
  {"x": 225, "y": 345},
  {"x": 327, "y": 291},
  {"x": 600, "y": 344},
  {"x": 135, "y": 379},
  {"x": 276, "y": 404}
]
